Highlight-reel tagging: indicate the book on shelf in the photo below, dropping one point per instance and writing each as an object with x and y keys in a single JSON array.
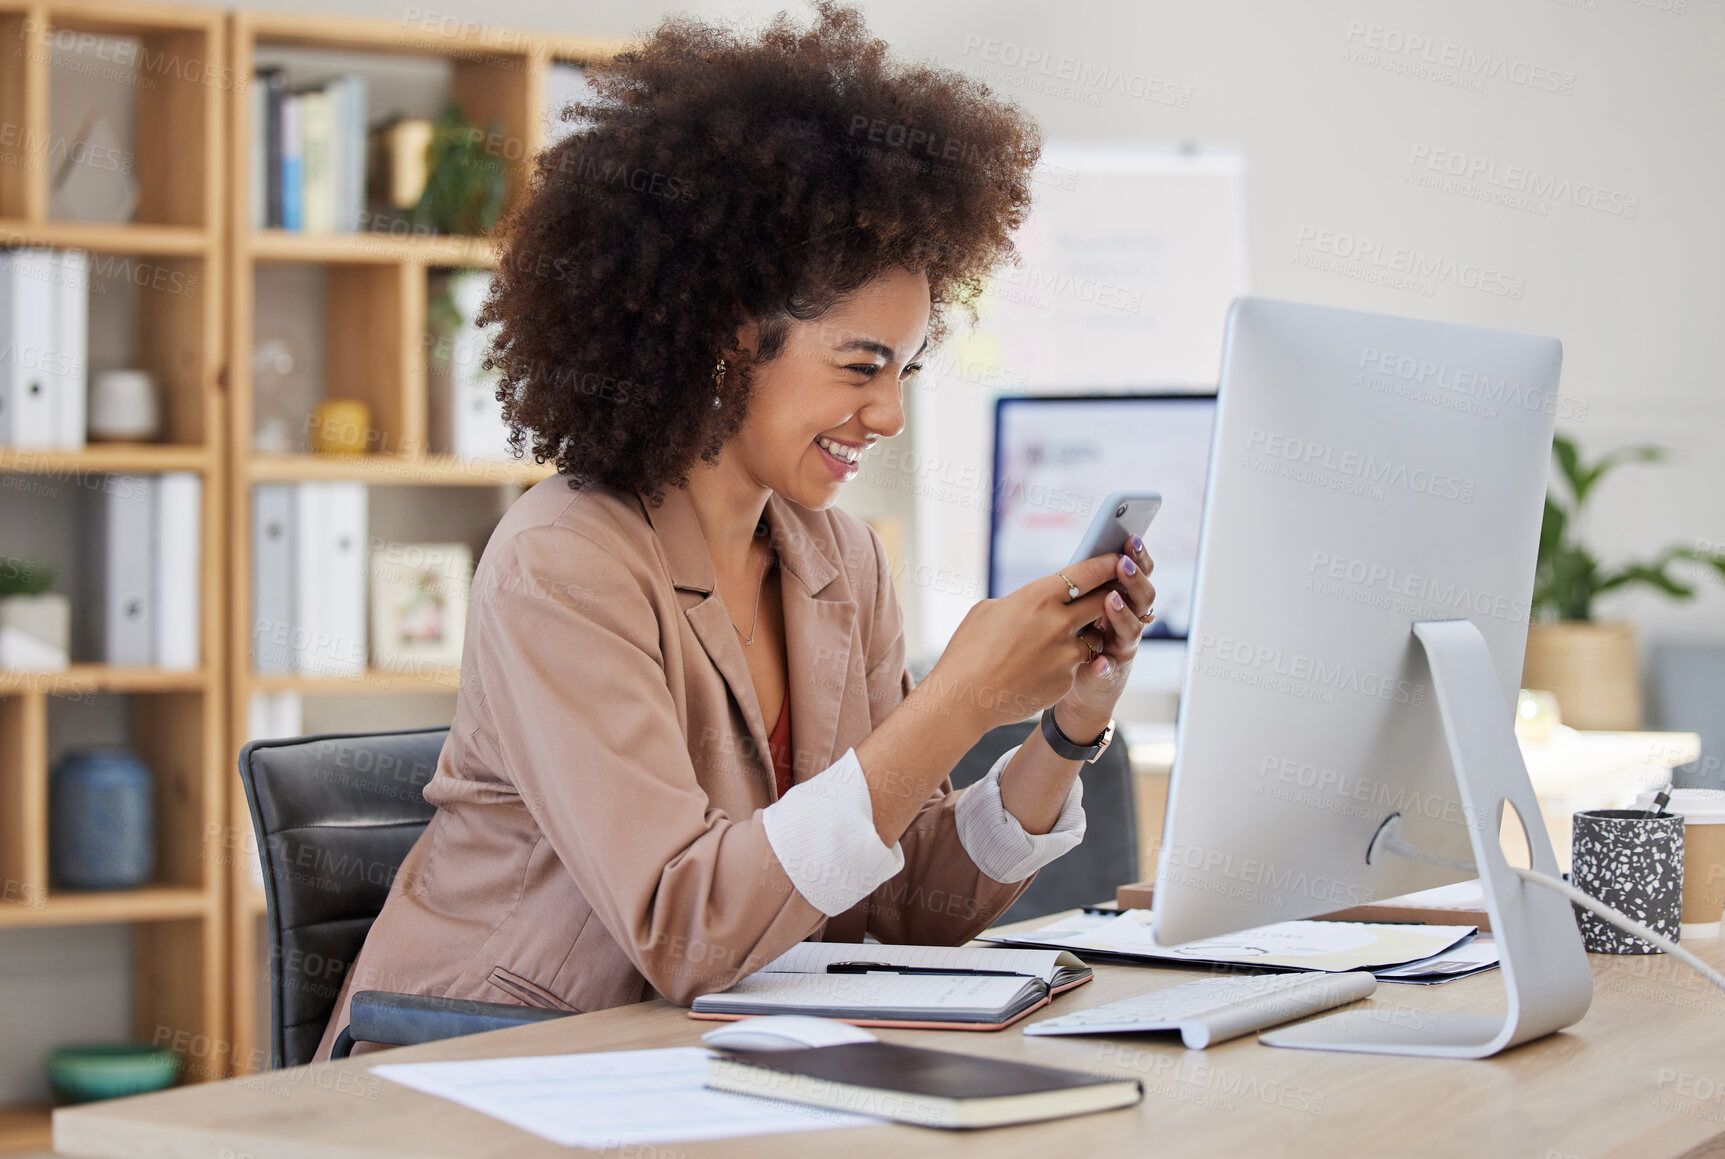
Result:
[
  {"x": 266, "y": 159},
  {"x": 309, "y": 577},
  {"x": 179, "y": 540},
  {"x": 348, "y": 95},
  {"x": 26, "y": 329},
  {"x": 329, "y": 578},
  {"x": 911, "y": 1084},
  {"x": 308, "y": 155},
  {"x": 273, "y": 576},
  {"x": 122, "y": 571},
  {"x": 317, "y": 177},
  {"x": 941, "y": 987},
  {"x": 141, "y": 582},
  {"x": 44, "y": 338},
  {"x": 290, "y": 179},
  {"x": 69, "y": 374}
]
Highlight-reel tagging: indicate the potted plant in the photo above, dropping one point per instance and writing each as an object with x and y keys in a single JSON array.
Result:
[
  {"x": 465, "y": 183},
  {"x": 1590, "y": 664},
  {"x": 35, "y": 623}
]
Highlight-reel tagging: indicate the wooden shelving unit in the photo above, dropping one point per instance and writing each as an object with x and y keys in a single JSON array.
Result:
[
  {"x": 374, "y": 326},
  {"x": 195, "y": 948},
  {"x": 177, "y": 719}
]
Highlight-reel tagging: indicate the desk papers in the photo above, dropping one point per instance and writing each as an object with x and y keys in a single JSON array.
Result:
[{"x": 611, "y": 1099}]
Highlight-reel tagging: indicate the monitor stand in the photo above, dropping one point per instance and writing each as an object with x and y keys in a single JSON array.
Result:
[{"x": 1545, "y": 969}]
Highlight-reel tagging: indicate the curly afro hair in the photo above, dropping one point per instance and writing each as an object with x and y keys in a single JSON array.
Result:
[{"x": 717, "y": 180}]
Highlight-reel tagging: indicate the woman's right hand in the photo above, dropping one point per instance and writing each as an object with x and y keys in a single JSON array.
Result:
[{"x": 1018, "y": 654}]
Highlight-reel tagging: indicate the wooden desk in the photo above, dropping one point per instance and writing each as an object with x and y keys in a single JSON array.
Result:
[{"x": 1642, "y": 1075}]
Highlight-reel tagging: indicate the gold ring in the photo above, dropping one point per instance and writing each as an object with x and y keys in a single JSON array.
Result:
[
  {"x": 1094, "y": 650},
  {"x": 1072, "y": 591}
]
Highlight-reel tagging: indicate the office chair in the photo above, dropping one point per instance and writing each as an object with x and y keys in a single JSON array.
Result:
[
  {"x": 1689, "y": 694},
  {"x": 1107, "y": 857},
  {"x": 334, "y": 817}
]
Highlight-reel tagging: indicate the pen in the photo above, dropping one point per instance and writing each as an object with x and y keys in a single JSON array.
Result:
[{"x": 889, "y": 968}]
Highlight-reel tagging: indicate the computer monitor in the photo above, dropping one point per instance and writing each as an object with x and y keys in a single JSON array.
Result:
[
  {"x": 1368, "y": 474},
  {"x": 1056, "y": 457}
]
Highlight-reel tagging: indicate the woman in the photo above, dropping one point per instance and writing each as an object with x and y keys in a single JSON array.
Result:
[{"x": 686, "y": 738}]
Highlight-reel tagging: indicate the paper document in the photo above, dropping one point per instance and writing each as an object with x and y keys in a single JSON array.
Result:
[
  {"x": 1335, "y": 946},
  {"x": 1471, "y": 957},
  {"x": 610, "y": 1099},
  {"x": 1461, "y": 895}
]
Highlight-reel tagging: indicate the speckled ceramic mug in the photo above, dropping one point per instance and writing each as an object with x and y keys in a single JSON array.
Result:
[{"x": 1633, "y": 862}]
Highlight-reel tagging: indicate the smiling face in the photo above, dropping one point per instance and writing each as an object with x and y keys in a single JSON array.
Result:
[{"x": 836, "y": 386}]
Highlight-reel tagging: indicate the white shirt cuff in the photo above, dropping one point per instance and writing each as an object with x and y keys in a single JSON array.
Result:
[
  {"x": 822, "y": 831},
  {"x": 995, "y": 840}
]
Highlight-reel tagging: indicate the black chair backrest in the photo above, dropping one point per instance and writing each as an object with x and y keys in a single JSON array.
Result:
[
  {"x": 1108, "y": 855},
  {"x": 334, "y": 817}
]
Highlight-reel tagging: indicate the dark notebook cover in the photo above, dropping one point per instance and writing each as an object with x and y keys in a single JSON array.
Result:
[{"x": 913, "y": 1070}]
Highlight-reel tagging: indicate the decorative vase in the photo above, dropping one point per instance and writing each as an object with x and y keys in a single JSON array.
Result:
[
  {"x": 101, "y": 820},
  {"x": 1590, "y": 668},
  {"x": 124, "y": 406},
  {"x": 340, "y": 426}
]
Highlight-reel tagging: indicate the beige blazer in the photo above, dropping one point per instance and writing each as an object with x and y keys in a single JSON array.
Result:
[{"x": 598, "y": 838}]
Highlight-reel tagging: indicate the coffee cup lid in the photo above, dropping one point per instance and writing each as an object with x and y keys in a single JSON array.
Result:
[{"x": 1703, "y": 805}]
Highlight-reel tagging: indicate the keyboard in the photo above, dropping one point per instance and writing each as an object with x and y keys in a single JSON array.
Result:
[{"x": 1212, "y": 1010}]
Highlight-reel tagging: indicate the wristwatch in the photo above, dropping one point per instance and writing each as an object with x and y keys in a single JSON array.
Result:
[{"x": 1071, "y": 749}]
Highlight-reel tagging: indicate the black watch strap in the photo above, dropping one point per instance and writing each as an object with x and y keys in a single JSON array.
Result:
[{"x": 1069, "y": 749}]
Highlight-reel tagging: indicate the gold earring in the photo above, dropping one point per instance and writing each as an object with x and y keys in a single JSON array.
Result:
[{"x": 718, "y": 374}]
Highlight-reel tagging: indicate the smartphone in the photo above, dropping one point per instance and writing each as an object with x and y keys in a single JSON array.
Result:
[{"x": 1122, "y": 515}]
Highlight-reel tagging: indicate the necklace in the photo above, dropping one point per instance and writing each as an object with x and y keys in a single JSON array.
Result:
[{"x": 760, "y": 529}]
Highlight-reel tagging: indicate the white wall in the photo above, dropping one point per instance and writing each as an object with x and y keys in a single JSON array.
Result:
[{"x": 1329, "y": 142}]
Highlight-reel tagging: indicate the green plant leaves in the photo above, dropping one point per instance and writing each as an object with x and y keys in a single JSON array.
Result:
[
  {"x": 23, "y": 577},
  {"x": 465, "y": 184},
  {"x": 1567, "y": 576}
]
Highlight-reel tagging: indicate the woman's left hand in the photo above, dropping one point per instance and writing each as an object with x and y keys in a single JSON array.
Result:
[{"x": 1098, "y": 683}]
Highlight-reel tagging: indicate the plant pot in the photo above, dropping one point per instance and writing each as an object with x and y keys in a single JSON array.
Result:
[
  {"x": 1590, "y": 668},
  {"x": 34, "y": 632}
]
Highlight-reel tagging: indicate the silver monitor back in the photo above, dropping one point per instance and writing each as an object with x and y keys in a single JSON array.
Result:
[{"x": 1366, "y": 472}]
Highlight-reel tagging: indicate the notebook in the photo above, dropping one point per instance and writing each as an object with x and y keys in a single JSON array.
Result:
[
  {"x": 946, "y": 987},
  {"x": 930, "y": 1088}
]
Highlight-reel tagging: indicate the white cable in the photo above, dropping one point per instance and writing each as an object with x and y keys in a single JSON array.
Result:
[
  {"x": 1606, "y": 913},
  {"x": 1401, "y": 848},
  {"x": 1392, "y": 843}
]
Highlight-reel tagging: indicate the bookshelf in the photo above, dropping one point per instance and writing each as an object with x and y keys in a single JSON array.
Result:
[
  {"x": 173, "y": 254},
  {"x": 196, "y": 951},
  {"x": 375, "y": 291}
]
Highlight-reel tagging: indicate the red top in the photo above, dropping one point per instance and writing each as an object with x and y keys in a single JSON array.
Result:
[{"x": 779, "y": 747}]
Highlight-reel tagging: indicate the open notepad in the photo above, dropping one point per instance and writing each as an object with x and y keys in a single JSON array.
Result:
[{"x": 952, "y": 987}]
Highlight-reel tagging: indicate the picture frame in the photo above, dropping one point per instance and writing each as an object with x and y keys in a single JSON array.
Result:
[{"x": 419, "y": 604}]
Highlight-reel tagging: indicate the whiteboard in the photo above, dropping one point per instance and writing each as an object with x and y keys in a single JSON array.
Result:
[{"x": 1131, "y": 256}]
